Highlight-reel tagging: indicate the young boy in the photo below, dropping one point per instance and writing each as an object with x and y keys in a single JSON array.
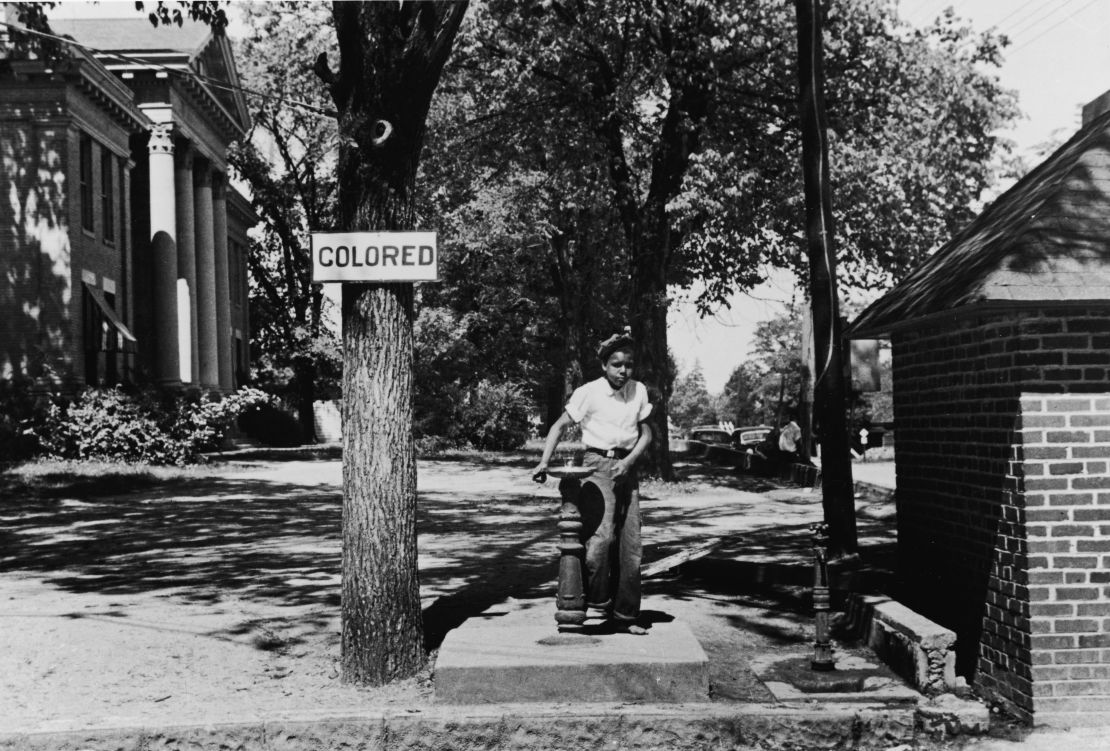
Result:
[{"x": 612, "y": 411}]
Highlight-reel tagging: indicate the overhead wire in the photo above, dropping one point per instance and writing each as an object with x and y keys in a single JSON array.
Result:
[
  {"x": 210, "y": 81},
  {"x": 1067, "y": 18},
  {"x": 1014, "y": 12},
  {"x": 1031, "y": 22}
]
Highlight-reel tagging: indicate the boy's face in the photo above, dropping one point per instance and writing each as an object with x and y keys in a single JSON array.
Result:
[{"x": 618, "y": 368}]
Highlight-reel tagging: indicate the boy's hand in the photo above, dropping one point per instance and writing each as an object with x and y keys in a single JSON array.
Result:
[
  {"x": 539, "y": 474},
  {"x": 620, "y": 469}
]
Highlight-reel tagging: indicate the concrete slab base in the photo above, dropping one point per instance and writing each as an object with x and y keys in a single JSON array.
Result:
[
  {"x": 482, "y": 663},
  {"x": 855, "y": 679},
  {"x": 512, "y": 727}
]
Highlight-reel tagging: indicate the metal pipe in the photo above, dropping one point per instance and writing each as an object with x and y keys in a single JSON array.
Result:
[{"x": 822, "y": 645}]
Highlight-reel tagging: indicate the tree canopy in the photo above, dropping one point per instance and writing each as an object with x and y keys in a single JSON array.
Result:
[{"x": 674, "y": 125}]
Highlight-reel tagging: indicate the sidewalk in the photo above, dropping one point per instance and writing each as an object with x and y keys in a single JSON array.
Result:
[{"x": 205, "y": 611}]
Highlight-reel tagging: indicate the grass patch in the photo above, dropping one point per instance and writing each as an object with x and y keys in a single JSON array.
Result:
[
  {"x": 46, "y": 478},
  {"x": 313, "y": 452}
]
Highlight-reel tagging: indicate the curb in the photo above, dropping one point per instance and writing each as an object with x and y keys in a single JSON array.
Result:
[{"x": 678, "y": 727}]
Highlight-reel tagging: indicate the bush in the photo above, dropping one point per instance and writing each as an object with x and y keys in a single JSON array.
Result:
[
  {"x": 109, "y": 424},
  {"x": 202, "y": 420},
  {"x": 494, "y": 416},
  {"x": 429, "y": 446},
  {"x": 152, "y": 427}
]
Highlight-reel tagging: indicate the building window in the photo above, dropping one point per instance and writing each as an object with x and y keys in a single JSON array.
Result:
[
  {"x": 109, "y": 344},
  {"x": 86, "y": 184},
  {"x": 107, "y": 194}
]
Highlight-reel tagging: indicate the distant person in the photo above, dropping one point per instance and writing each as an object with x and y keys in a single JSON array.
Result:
[
  {"x": 789, "y": 436},
  {"x": 612, "y": 412}
]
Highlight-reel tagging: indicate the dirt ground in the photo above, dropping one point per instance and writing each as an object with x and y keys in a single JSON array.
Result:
[{"x": 212, "y": 594}]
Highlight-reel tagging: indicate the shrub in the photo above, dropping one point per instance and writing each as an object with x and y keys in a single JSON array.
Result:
[
  {"x": 428, "y": 446},
  {"x": 494, "y": 416},
  {"x": 202, "y": 420},
  {"x": 108, "y": 424},
  {"x": 153, "y": 427}
]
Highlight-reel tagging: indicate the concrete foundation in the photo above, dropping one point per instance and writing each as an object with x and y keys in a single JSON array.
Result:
[{"x": 481, "y": 663}]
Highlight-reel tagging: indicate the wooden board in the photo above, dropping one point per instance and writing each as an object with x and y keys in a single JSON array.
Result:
[{"x": 677, "y": 559}]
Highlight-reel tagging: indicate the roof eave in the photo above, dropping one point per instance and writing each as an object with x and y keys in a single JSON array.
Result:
[{"x": 881, "y": 329}]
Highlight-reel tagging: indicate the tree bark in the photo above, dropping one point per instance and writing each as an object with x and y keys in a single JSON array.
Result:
[
  {"x": 305, "y": 372},
  {"x": 830, "y": 404},
  {"x": 649, "y": 329},
  {"x": 391, "y": 56}
]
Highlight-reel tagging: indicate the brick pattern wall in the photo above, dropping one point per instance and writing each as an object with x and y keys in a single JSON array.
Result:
[
  {"x": 41, "y": 239},
  {"x": 36, "y": 335},
  {"x": 965, "y": 557},
  {"x": 1066, "y": 440}
]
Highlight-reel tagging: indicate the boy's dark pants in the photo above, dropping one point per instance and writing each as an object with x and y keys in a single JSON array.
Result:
[{"x": 611, "y": 531}]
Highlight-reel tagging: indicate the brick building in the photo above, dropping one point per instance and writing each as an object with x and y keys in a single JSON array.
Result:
[
  {"x": 123, "y": 244},
  {"x": 1001, "y": 363}
]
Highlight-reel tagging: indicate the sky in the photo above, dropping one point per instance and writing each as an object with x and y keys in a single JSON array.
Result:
[{"x": 1058, "y": 59}]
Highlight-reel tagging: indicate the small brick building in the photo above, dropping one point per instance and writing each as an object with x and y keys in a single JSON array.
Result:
[{"x": 1001, "y": 364}]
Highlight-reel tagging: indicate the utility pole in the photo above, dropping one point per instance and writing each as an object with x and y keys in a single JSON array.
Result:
[{"x": 830, "y": 405}]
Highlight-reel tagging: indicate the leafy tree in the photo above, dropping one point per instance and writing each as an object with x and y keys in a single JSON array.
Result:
[
  {"x": 526, "y": 211},
  {"x": 772, "y": 373},
  {"x": 691, "y": 110},
  {"x": 691, "y": 403},
  {"x": 746, "y": 398},
  {"x": 913, "y": 119},
  {"x": 288, "y": 161}
]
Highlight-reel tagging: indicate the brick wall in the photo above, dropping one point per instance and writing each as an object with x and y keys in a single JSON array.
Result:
[
  {"x": 1066, "y": 440},
  {"x": 41, "y": 238},
  {"x": 36, "y": 335},
  {"x": 975, "y": 458}
]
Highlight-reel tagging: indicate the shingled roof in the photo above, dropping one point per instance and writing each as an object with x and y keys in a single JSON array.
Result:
[{"x": 1047, "y": 239}]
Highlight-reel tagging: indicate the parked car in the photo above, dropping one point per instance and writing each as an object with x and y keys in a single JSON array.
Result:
[
  {"x": 749, "y": 435},
  {"x": 709, "y": 434}
]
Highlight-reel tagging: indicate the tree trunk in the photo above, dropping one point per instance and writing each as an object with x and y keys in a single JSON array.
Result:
[
  {"x": 391, "y": 55},
  {"x": 306, "y": 399},
  {"x": 830, "y": 404},
  {"x": 649, "y": 329},
  {"x": 382, "y": 629}
]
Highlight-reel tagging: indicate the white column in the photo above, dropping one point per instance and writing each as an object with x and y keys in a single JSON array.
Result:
[
  {"x": 186, "y": 262},
  {"x": 223, "y": 288},
  {"x": 208, "y": 347},
  {"x": 163, "y": 249}
]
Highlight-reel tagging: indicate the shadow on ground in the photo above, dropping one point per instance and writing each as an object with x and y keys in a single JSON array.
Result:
[{"x": 210, "y": 538}]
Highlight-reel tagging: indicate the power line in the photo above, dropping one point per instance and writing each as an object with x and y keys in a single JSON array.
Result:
[
  {"x": 1033, "y": 20},
  {"x": 1013, "y": 13},
  {"x": 187, "y": 72},
  {"x": 1061, "y": 21}
]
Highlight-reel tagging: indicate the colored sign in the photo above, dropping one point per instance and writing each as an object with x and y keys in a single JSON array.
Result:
[{"x": 374, "y": 257}]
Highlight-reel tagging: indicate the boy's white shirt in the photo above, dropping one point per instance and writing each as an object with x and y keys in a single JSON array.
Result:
[{"x": 610, "y": 418}]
